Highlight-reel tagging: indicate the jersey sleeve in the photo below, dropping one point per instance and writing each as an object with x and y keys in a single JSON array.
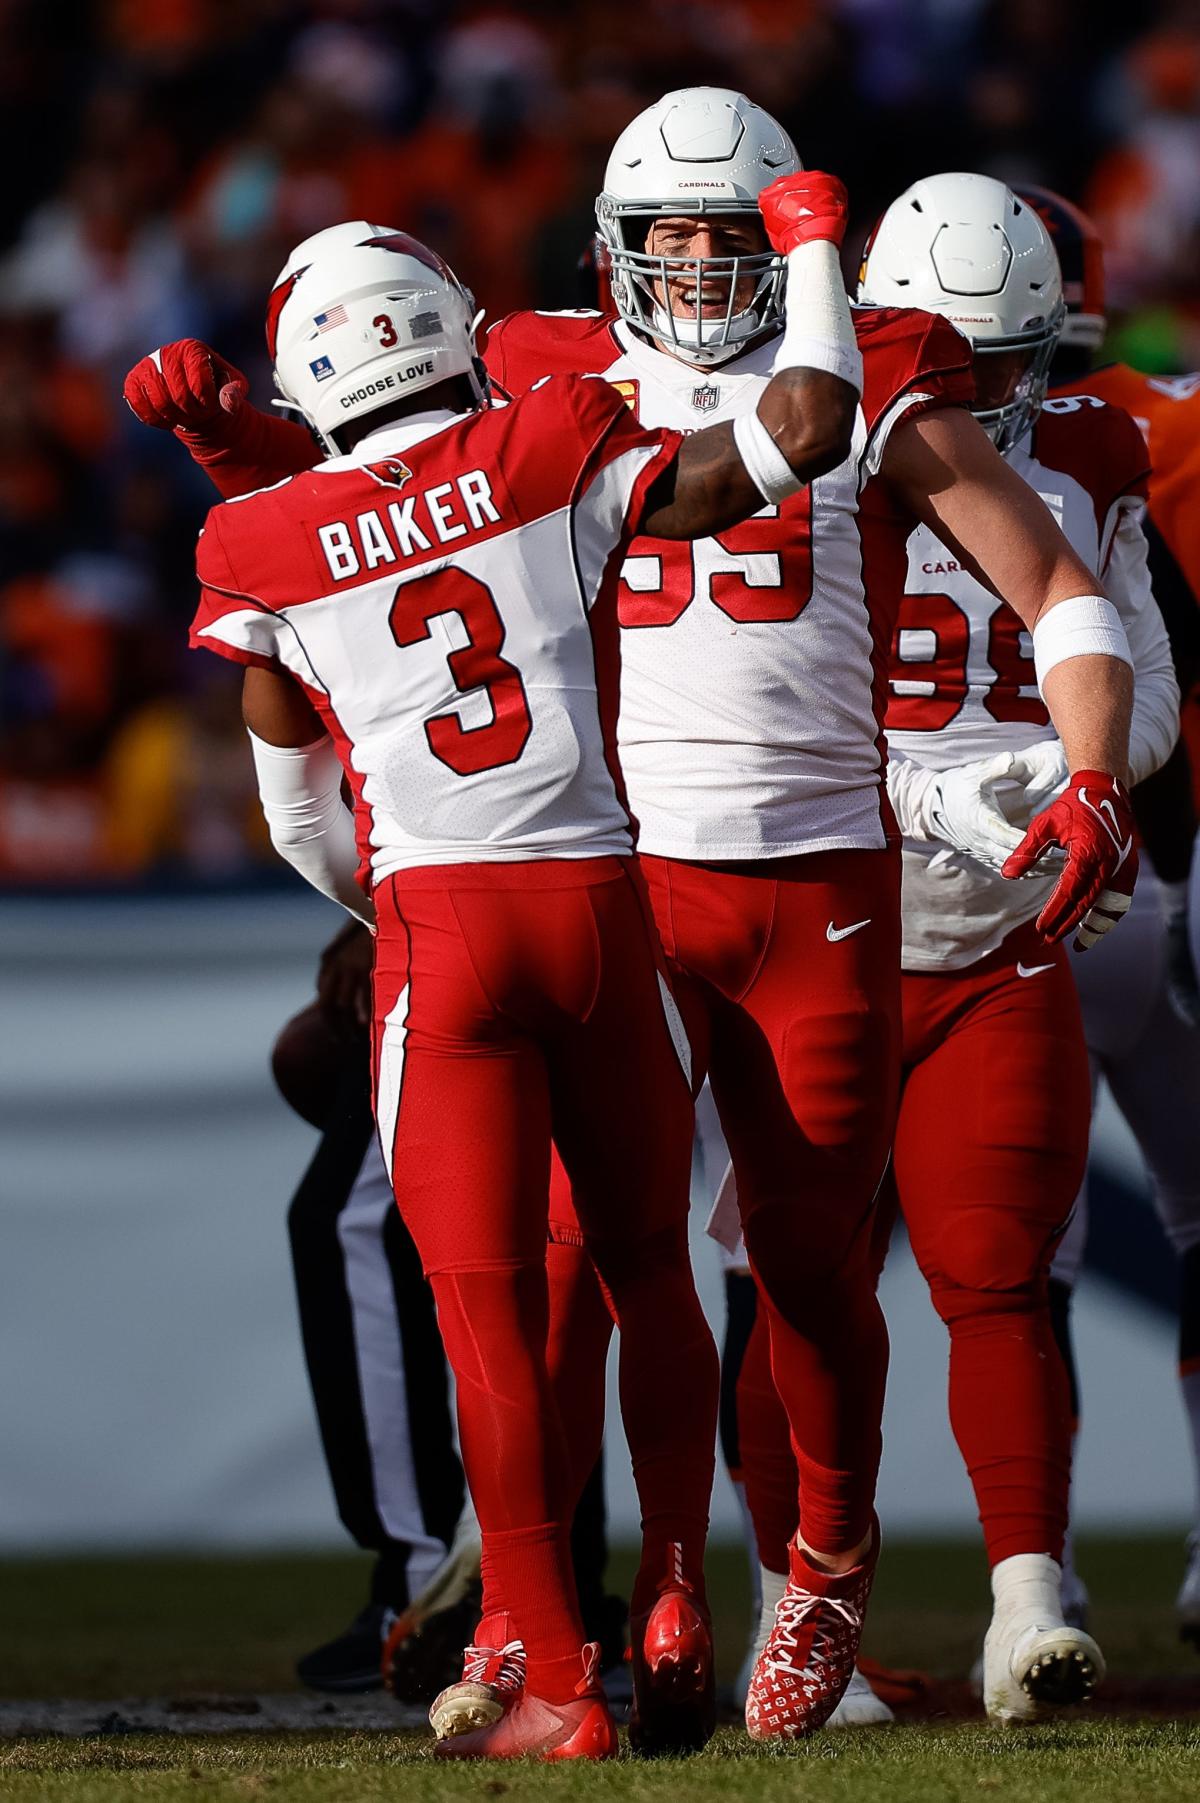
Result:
[
  {"x": 228, "y": 620},
  {"x": 1154, "y": 725},
  {"x": 621, "y": 467},
  {"x": 259, "y": 449},
  {"x": 522, "y": 348},
  {"x": 912, "y": 362},
  {"x": 1103, "y": 449}
]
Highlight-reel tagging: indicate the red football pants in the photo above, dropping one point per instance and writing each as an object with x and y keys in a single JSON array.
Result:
[
  {"x": 991, "y": 1144},
  {"x": 788, "y": 975},
  {"x": 513, "y": 1002}
]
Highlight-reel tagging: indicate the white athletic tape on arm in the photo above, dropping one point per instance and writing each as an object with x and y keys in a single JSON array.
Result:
[
  {"x": 301, "y": 791},
  {"x": 818, "y": 326},
  {"x": 1085, "y": 626},
  {"x": 766, "y": 465}
]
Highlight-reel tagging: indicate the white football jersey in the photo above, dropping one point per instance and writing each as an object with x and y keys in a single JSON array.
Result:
[
  {"x": 962, "y": 677},
  {"x": 446, "y": 596},
  {"x": 754, "y": 662}
]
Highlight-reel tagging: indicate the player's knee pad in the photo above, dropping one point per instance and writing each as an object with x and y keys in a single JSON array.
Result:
[
  {"x": 990, "y": 1253},
  {"x": 649, "y": 1258},
  {"x": 814, "y": 1258}
]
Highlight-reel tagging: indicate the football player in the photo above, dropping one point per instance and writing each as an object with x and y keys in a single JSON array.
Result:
[
  {"x": 991, "y": 1136},
  {"x": 430, "y": 615},
  {"x": 1141, "y": 1008},
  {"x": 751, "y": 741}
]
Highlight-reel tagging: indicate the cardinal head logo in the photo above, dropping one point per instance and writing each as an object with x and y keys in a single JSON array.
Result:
[{"x": 393, "y": 472}]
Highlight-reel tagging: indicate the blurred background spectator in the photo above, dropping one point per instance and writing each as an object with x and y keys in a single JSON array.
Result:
[{"x": 164, "y": 155}]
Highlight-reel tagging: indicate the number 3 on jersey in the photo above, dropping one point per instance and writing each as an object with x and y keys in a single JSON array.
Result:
[{"x": 477, "y": 667}]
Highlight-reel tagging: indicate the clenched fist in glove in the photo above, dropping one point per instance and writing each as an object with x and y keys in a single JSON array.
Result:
[
  {"x": 803, "y": 208},
  {"x": 1092, "y": 822},
  {"x": 185, "y": 387}
]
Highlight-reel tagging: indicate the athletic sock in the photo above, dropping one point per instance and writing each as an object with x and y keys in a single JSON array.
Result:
[
  {"x": 1189, "y": 1350},
  {"x": 535, "y": 1569},
  {"x": 669, "y": 1387},
  {"x": 1028, "y": 1584},
  {"x": 494, "y": 1326},
  {"x": 772, "y": 1585},
  {"x": 577, "y": 1349},
  {"x": 1010, "y": 1415},
  {"x": 768, "y": 1463}
]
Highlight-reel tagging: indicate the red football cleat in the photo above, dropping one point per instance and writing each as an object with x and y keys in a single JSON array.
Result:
[
  {"x": 493, "y": 1679},
  {"x": 674, "y": 1689},
  {"x": 808, "y": 1661},
  {"x": 533, "y": 1728}
]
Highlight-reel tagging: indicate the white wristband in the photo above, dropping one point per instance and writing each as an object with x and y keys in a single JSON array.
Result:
[
  {"x": 766, "y": 465},
  {"x": 1085, "y": 626},
  {"x": 818, "y": 326}
]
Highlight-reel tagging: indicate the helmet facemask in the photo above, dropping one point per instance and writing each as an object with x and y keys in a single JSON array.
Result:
[
  {"x": 696, "y": 336},
  {"x": 1007, "y": 422}
]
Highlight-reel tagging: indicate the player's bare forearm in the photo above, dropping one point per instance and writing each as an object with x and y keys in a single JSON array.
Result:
[
  {"x": 809, "y": 415},
  {"x": 1090, "y": 701},
  {"x": 276, "y": 709},
  {"x": 943, "y": 467}
]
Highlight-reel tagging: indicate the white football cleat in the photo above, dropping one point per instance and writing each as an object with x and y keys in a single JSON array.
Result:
[
  {"x": 1187, "y": 1603},
  {"x": 1076, "y": 1603},
  {"x": 1034, "y": 1662},
  {"x": 860, "y": 1707}
]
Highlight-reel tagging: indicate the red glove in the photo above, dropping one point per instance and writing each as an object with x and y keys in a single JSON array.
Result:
[
  {"x": 1092, "y": 821},
  {"x": 185, "y": 387},
  {"x": 801, "y": 208}
]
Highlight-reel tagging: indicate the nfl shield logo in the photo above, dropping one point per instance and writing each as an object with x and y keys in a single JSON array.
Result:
[
  {"x": 322, "y": 369},
  {"x": 705, "y": 399}
]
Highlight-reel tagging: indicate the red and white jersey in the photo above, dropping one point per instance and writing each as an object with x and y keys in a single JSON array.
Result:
[
  {"x": 754, "y": 663},
  {"x": 962, "y": 676},
  {"x": 446, "y": 596}
]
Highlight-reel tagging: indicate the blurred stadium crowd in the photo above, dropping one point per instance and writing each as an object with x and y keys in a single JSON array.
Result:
[{"x": 164, "y": 155}]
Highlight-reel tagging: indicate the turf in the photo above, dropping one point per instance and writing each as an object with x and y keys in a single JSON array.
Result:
[
  {"x": 184, "y": 1627},
  {"x": 1100, "y": 1762}
]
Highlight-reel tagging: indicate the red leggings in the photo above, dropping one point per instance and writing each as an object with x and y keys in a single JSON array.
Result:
[
  {"x": 513, "y": 1002},
  {"x": 799, "y": 1028},
  {"x": 990, "y": 1150}
]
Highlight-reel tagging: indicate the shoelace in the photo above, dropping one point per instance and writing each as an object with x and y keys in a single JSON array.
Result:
[
  {"x": 479, "y": 1661},
  {"x": 793, "y": 1611}
]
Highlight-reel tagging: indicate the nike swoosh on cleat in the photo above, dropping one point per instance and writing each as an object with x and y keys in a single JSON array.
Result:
[
  {"x": 1032, "y": 970},
  {"x": 833, "y": 934}
]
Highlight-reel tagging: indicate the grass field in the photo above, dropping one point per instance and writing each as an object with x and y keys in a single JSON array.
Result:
[{"x": 200, "y": 1630}]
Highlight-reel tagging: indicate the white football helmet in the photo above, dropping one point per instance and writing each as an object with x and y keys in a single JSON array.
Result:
[
  {"x": 965, "y": 246},
  {"x": 362, "y": 315},
  {"x": 695, "y": 151}
]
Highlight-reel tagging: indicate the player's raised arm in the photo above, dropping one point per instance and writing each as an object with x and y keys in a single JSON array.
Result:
[
  {"x": 805, "y": 419},
  {"x": 189, "y": 389}
]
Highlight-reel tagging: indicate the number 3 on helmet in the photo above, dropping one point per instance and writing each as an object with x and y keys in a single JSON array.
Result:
[{"x": 363, "y": 315}]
